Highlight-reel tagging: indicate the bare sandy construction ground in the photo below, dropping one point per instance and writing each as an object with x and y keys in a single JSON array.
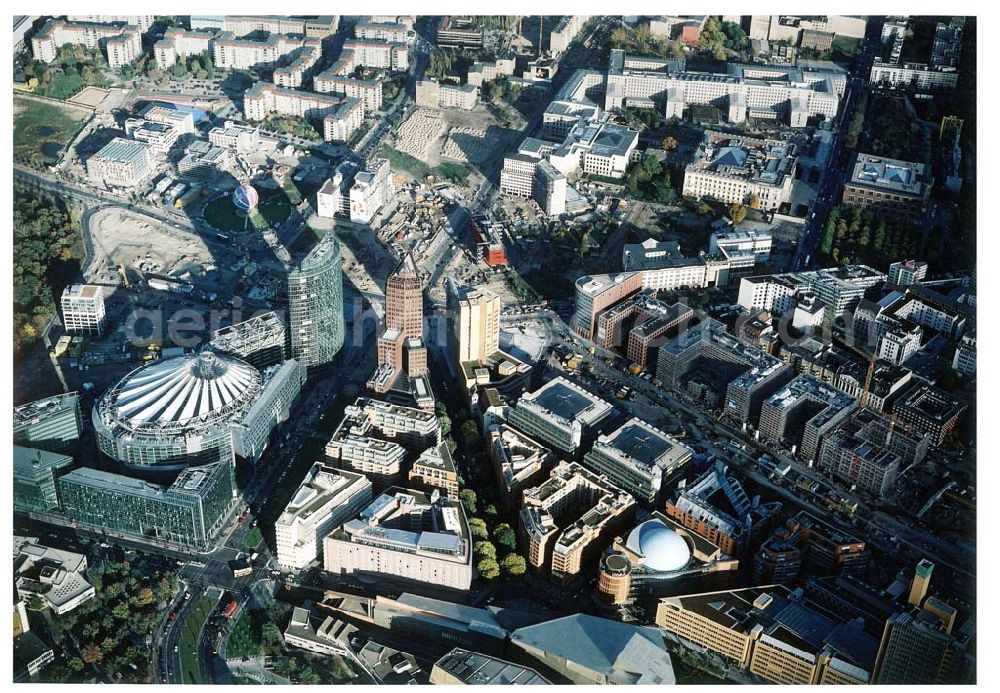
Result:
[{"x": 124, "y": 237}]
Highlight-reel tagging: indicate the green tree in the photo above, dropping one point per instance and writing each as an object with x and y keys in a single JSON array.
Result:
[
  {"x": 666, "y": 194},
  {"x": 736, "y": 38},
  {"x": 505, "y": 536},
  {"x": 270, "y": 635},
  {"x": 108, "y": 645},
  {"x": 144, "y": 597},
  {"x": 75, "y": 664},
  {"x": 445, "y": 423},
  {"x": 488, "y": 568},
  {"x": 484, "y": 549},
  {"x": 477, "y": 527},
  {"x": 468, "y": 498},
  {"x": 470, "y": 434},
  {"x": 308, "y": 676},
  {"x": 826, "y": 244},
  {"x": 121, "y": 611},
  {"x": 514, "y": 564}
]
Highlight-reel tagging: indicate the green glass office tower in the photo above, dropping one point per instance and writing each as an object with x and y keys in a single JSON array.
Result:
[
  {"x": 191, "y": 511},
  {"x": 35, "y": 474}
]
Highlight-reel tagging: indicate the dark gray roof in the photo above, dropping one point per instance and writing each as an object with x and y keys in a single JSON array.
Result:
[{"x": 621, "y": 652}]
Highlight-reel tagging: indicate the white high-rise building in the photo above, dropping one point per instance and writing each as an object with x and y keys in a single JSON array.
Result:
[
  {"x": 83, "y": 308},
  {"x": 325, "y": 500},
  {"x": 475, "y": 332},
  {"x": 334, "y": 198},
  {"x": 371, "y": 190}
]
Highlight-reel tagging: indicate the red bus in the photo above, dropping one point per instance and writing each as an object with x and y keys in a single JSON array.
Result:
[{"x": 230, "y": 610}]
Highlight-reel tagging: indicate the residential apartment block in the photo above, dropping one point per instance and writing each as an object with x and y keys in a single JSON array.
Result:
[
  {"x": 383, "y": 54},
  {"x": 519, "y": 462},
  {"x": 341, "y": 116},
  {"x": 181, "y": 43},
  {"x": 715, "y": 506},
  {"x": 122, "y": 43},
  {"x": 435, "y": 469},
  {"x": 435, "y": 94},
  {"x": 570, "y": 518}
]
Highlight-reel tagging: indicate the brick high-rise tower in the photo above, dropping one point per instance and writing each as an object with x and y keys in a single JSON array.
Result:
[
  {"x": 401, "y": 345},
  {"x": 404, "y": 301}
]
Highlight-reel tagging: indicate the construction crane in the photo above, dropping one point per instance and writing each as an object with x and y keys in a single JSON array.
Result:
[{"x": 866, "y": 391}]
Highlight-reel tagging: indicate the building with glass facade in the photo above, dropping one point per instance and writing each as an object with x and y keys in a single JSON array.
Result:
[
  {"x": 563, "y": 415},
  {"x": 35, "y": 474},
  {"x": 52, "y": 423},
  {"x": 638, "y": 458},
  {"x": 191, "y": 511},
  {"x": 194, "y": 410},
  {"x": 316, "y": 304}
]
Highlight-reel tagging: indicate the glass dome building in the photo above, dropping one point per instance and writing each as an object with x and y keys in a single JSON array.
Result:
[
  {"x": 657, "y": 556},
  {"x": 177, "y": 412},
  {"x": 661, "y": 549}
]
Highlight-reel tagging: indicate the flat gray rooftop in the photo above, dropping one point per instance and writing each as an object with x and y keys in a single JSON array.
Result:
[
  {"x": 640, "y": 444},
  {"x": 562, "y": 400}
]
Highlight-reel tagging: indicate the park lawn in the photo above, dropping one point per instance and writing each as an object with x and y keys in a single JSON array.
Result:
[
  {"x": 291, "y": 190},
  {"x": 242, "y": 641},
  {"x": 223, "y": 215},
  {"x": 521, "y": 288},
  {"x": 190, "y": 671},
  {"x": 401, "y": 161},
  {"x": 254, "y": 538},
  {"x": 42, "y": 130},
  {"x": 844, "y": 48},
  {"x": 274, "y": 211},
  {"x": 398, "y": 160},
  {"x": 454, "y": 172}
]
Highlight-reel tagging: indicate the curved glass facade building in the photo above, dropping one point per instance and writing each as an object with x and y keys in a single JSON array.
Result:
[
  {"x": 177, "y": 412},
  {"x": 316, "y": 304}
]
